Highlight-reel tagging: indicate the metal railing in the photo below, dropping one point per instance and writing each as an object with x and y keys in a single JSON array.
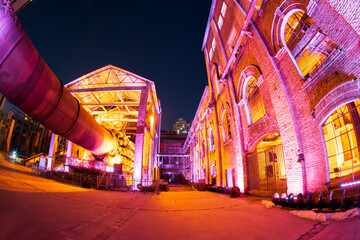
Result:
[
  {"x": 33, "y": 159},
  {"x": 103, "y": 181}
]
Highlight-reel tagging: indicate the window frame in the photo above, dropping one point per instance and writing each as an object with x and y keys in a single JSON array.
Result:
[
  {"x": 220, "y": 22},
  {"x": 212, "y": 49},
  {"x": 211, "y": 139},
  {"x": 257, "y": 5},
  {"x": 223, "y": 9},
  {"x": 334, "y": 136},
  {"x": 301, "y": 55},
  {"x": 227, "y": 133},
  {"x": 246, "y": 100}
]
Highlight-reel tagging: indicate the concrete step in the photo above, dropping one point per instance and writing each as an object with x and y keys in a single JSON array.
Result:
[{"x": 179, "y": 188}]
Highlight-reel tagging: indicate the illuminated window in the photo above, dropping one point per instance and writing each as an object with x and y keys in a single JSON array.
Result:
[
  {"x": 305, "y": 40},
  {"x": 211, "y": 139},
  {"x": 212, "y": 50},
  {"x": 211, "y": 53},
  {"x": 258, "y": 4},
  {"x": 254, "y": 101},
  {"x": 217, "y": 84},
  {"x": 231, "y": 42},
  {"x": 223, "y": 9},
  {"x": 232, "y": 38},
  {"x": 220, "y": 22},
  {"x": 203, "y": 150},
  {"x": 219, "y": 67},
  {"x": 223, "y": 12},
  {"x": 342, "y": 136},
  {"x": 227, "y": 127},
  {"x": 213, "y": 170},
  {"x": 213, "y": 44}
]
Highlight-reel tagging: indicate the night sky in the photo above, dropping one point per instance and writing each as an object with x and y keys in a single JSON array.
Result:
[{"x": 158, "y": 40}]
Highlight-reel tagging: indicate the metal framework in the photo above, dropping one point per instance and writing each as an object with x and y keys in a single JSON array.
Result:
[{"x": 112, "y": 96}]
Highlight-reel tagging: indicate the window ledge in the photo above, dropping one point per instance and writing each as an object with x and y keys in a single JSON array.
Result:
[
  {"x": 266, "y": 116},
  {"x": 319, "y": 72},
  {"x": 228, "y": 142}
]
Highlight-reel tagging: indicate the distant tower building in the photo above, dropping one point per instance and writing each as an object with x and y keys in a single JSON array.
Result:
[
  {"x": 181, "y": 126},
  {"x": 173, "y": 159}
]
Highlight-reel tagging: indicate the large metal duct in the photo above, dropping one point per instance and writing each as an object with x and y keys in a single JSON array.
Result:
[{"x": 28, "y": 83}]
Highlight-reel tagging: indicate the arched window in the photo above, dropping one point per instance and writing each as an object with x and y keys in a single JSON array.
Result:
[
  {"x": 248, "y": 90},
  {"x": 342, "y": 137},
  {"x": 307, "y": 45},
  {"x": 213, "y": 170},
  {"x": 226, "y": 126},
  {"x": 254, "y": 100},
  {"x": 203, "y": 149},
  {"x": 211, "y": 139},
  {"x": 305, "y": 40}
]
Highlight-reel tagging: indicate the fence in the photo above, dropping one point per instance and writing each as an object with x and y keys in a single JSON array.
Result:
[
  {"x": 86, "y": 180},
  {"x": 103, "y": 180}
]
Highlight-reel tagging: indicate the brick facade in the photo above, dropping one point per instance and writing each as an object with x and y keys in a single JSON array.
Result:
[{"x": 295, "y": 106}]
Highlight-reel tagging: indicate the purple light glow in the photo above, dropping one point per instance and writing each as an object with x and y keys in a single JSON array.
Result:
[
  {"x": 349, "y": 184},
  {"x": 90, "y": 164}
]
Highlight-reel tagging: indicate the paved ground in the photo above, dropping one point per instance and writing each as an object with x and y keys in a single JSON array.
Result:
[{"x": 37, "y": 208}]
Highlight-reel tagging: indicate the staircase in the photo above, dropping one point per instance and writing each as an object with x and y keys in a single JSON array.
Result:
[{"x": 33, "y": 159}]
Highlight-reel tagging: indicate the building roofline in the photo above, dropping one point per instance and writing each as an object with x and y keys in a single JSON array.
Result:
[
  {"x": 212, "y": 8},
  {"x": 188, "y": 138}
]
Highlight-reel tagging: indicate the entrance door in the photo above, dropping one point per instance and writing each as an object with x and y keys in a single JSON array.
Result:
[{"x": 267, "y": 170}]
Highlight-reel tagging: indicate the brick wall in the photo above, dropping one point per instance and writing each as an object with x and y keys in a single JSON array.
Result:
[
  {"x": 350, "y": 11},
  {"x": 294, "y": 108}
]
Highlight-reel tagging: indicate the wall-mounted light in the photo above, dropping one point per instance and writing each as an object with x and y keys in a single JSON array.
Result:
[{"x": 300, "y": 157}]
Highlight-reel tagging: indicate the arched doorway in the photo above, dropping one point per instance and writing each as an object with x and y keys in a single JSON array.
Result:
[
  {"x": 342, "y": 136},
  {"x": 266, "y": 166}
]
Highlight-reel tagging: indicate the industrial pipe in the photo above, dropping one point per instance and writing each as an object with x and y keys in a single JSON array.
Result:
[{"x": 28, "y": 83}]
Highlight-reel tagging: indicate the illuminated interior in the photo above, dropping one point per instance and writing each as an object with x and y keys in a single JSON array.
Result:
[
  {"x": 112, "y": 96},
  {"x": 211, "y": 139},
  {"x": 307, "y": 43},
  {"x": 213, "y": 170},
  {"x": 226, "y": 127},
  {"x": 266, "y": 165},
  {"x": 258, "y": 4},
  {"x": 255, "y": 103},
  {"x": 223, "y": 9},
  {"x": 342, "y": 134}
]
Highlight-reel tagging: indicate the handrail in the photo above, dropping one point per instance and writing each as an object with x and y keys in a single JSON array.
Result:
[
  {"x": 101, "y": 178},
  {"x": 32, "y": 157},
  {"x": 107, "y": 183}
]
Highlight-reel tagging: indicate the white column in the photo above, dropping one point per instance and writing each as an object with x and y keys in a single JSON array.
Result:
[
  {"x": 139, "y": 138},
  {"x": 52, "y": 150},
  {"x": 68, "y": 154}
]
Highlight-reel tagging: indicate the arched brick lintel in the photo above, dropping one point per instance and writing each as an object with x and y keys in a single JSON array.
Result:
[
  {"x": 256, "y": 139},
  {"x": 342, "y": 94}
]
